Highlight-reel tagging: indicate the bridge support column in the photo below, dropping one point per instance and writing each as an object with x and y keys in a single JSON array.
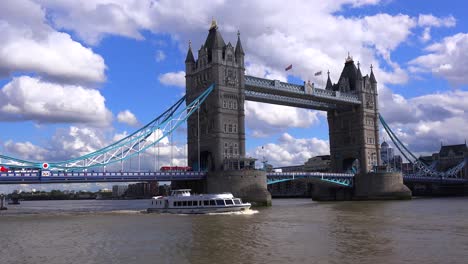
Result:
[
  {"x": 380, "y": 186},
  {"x": 250, "y": 185}
]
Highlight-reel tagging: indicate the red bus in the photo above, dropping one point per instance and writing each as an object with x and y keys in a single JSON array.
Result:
[
  {"x": 175, "y": 168},
  {"x": 3, "y": 169}
]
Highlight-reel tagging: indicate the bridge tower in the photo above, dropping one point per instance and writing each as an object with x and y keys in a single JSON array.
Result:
[
  {"x": 221, "y": 117},
  {"x": 216, "y": 135},
  {"x": 354, "y": 138},
  {"x": 354, "y": 131}
]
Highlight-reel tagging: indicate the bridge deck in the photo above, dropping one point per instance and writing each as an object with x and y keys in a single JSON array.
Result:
[
  {"x": 273, "y": 177},
  {"x": 84, "y": 177},
  {"x": 276, "y": 92}
]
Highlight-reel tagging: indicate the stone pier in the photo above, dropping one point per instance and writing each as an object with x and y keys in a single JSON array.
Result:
[{"x": 380, "y": 186}]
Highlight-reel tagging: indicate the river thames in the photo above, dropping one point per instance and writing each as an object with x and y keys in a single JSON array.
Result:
[{"x": 291, "y": 231}]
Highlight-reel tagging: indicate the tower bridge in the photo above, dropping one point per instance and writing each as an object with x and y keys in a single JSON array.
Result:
[{"x": 215, "y": 118}]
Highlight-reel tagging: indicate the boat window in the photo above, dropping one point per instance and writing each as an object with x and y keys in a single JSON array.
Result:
[
  {"x": 175, "y": 204},
  {"x": 195, "y": 203},
  {"x": 219, "y": 202},
  {"x": 228, "y": 201},
  {"x": 184, "y": 203},
  {"x": 212, "y": 202},
  {"x": 237, "y": 201},
  {"x": 206, "y": 202},
  {"x": 189, "y": 203},
  {"x": 179, "y": 203}
]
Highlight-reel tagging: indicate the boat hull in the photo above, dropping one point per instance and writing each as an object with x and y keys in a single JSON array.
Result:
[{"x": 200, "y": 210}]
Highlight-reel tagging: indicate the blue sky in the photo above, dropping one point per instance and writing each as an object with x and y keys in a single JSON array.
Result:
[{"x": 101, "y": 58}]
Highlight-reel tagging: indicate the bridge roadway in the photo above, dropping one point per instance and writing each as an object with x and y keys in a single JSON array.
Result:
[
  {"x": 342, "y": 179},
  {"x": 88, "y": 177}
]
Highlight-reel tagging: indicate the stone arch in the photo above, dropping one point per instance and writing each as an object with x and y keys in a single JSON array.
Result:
[
  {"x": 206, "y": 161},
  {"x": 351, "y": 164}
]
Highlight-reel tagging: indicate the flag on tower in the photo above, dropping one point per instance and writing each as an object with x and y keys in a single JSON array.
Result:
[
  {"x": 318, "y": 73},
  {"x": 288, "y": 68}
]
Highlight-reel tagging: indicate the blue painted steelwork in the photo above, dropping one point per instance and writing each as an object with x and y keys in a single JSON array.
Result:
[
  {"x": 38, "y": 177},
  {"x": 424, "y": 170},
  {"x": 343, "y": 179},
  {"x": 127, "y": 147}
]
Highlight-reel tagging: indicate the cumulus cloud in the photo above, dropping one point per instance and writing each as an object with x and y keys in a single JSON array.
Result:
[
  {"x": 288, "y": 150},
  {"x": 29, "y": 44},
  {"x": 173, "y": 79},
  {"x": 428, "y": 20},
  {"x": 128, "y": 118},
  {"x": 446, "y": 59},
  {"x": 76, "y": 141},
  {"x": 26, "y": 150},
  {"x": 27, "y": 98},
  {"x": 424, "y": 121},
  {"x": 267, "y": 119}
]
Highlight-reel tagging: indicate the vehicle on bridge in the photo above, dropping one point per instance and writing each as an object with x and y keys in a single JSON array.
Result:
[
  {"x": 175, "y": 168},
  {"x": 181, "y": 202},
  {"x": 3, "y": 169}
]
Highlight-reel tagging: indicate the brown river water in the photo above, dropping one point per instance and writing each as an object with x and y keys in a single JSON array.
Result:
[{"x": 291, "y": 231}]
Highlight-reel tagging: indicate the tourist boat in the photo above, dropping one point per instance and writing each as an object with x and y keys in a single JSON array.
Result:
[{"x": 182, "y": 202}]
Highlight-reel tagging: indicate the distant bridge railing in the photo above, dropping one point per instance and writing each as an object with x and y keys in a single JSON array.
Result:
[
  {"x": 85, "y": 177},
  {"x": 432, "y": 179},
  {"x": 343, "y": 179}
]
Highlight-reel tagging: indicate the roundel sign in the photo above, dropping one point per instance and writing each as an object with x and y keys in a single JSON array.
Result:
[{"x": 45, "y": 166}]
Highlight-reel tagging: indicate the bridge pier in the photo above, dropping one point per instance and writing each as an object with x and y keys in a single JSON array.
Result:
[
  {"x": 380, "y": 186},
  {"x": 250, "y": 185}
]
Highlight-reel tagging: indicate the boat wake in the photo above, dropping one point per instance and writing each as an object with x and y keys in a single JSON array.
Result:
[{"x": 245, "y": 212}]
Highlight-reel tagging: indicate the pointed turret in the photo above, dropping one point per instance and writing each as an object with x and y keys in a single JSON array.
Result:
[
  {"x": 329, "y": 83},
  {"x": 190, "y": 58},
  {"x": 359, "y": 74},
  {"x": 348, "y": 76},
  {"x": 214, "y": 39},
  {"x": 239, "y": 50},
  {"x": 372, "y": 77}
]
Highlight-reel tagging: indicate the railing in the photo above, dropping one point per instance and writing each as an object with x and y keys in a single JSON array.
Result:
[
  {"x": 289, "y": 101},
  {"x": 72, "y": 177},
  {"x": 251, "y": 81}
]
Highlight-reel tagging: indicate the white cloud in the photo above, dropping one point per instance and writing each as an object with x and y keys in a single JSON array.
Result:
[
  {"x": 27, "y": 98},
  {"x": 26, "y": 150},
  {"x": 291, "y": 151},
  {"x": 428, "y": 20},
  {"x": 173, "y": 79},
  {"x": 160, "y": 56},
  {"x": 426, "y": 35},
  {"x": 76, "y": 141},
  {"x": 29, "y": 44},
  {"x": 424, "y": 121},
  {"x": 267, "y": 119},
  {"x": 446, "y": 59},
  {"x": 128, "y": 118}
]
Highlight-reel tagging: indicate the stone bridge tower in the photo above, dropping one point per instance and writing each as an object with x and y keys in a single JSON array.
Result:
[
  {"x": 354, "y": 131},
  {"x": 221, "y": 117},
  {"x": 221, "y": 141}
]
